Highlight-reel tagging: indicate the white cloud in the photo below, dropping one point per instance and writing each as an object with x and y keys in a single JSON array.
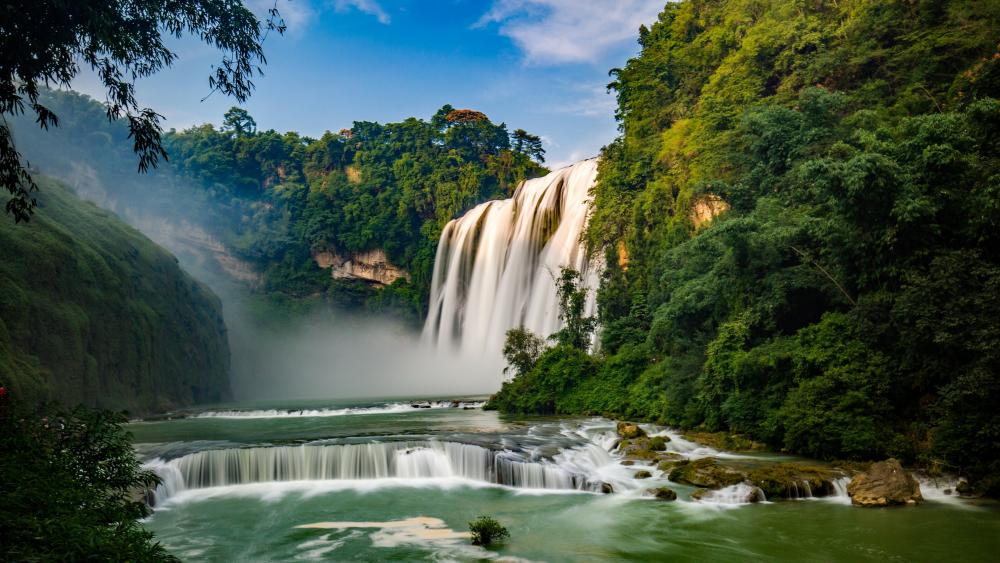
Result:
[
  {"x": 367, "y": 6},
  {"x": 593, "y": 102},
  {"x": 296, "y": 13},
  {"x": 561, "y": 31}
]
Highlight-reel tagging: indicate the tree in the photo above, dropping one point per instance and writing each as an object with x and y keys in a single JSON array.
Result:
[
  {"x": 521, "y": 350},
  {"x": 238, "y": 121},
  {"x": 44, "y": 42},
  {"x": 572, "y": 306},
  {"x": 69, "y": 480},
  {"x": 528, "y": 144}
]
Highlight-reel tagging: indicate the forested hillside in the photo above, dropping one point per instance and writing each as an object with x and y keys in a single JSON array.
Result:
[
  {"x": 275, "y": 200},
  {"x": 92, "y": 312},
  {"x": 800, "y": 220}
]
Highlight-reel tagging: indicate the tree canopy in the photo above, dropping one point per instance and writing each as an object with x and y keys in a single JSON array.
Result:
[{"x": 49, "y": 42}]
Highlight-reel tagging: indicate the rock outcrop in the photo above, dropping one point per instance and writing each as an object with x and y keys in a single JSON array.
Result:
[
  {"x": 885, "y": 483},
  {"x": 794, "y": 480},
  {"x": 371, "y": 266},
  {"x": 705, "y": 472}
]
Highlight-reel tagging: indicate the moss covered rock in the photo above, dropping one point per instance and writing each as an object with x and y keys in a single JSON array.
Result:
[
  {"x": 794, "y": 480},
  {"x": 705, "y": 472},
  {"x": 643, "y": 474},
  {"x": 662, "y": 493},
  {"x": 630, "y": 430}
]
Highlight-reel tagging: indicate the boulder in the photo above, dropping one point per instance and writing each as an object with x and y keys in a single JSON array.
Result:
[
  {"x": 606, "y": 488},
  {"x": 662, "y": 493},
  {"x": 885, "y": 483},
  {"x": 643, "y": 474},
  {"x": 658, "y": 443},
  {"x": 630, "y": 430},
  {"x": 637, "y": 448},
  {"x": 628, "y": 462},
  {"x": 705, "y": 472}
]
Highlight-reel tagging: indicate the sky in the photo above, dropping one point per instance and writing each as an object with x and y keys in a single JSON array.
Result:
[{"x": 540, "y": 65}]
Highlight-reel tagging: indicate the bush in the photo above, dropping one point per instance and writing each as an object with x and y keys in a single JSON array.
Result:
[
  {"x": 69, "y": 482},
  {"x": 485, "y": 530}
]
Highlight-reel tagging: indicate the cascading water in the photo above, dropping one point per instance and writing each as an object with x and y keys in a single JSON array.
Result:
[
  {"x": 376, "y": 460},
  {"x": 496, "y": 266}
]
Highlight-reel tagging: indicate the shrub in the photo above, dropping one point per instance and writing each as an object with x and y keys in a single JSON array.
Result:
[{"x": 486, "y": 530}]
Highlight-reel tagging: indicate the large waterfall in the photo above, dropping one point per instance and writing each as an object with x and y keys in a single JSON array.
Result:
[{"x": 496, "y": 265}]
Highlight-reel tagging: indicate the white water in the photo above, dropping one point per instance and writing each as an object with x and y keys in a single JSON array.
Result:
[
  {"x": 380, "y": 409},
  {"x": 572, "y": 469},
  {"x": 496, "y": 266}
]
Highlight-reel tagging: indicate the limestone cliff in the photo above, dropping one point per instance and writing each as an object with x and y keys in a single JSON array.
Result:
[{"x": 371, "y": 266}]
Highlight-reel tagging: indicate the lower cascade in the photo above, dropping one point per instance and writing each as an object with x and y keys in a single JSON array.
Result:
[
  {"x": 496, "y": 265},
  {"x": 402, "y": 460}
]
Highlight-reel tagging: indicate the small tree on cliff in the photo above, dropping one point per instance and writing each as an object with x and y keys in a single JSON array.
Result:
[{"x": 577, "y": 328}]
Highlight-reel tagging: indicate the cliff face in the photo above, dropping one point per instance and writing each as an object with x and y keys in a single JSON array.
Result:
[
  {"x": 371, "y": 266},
  {"x": 93, "y": 312}
]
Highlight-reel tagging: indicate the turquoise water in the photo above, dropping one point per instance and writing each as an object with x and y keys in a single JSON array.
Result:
[{"x": 428, "y": 464}]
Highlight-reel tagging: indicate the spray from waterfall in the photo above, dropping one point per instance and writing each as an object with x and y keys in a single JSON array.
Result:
[{"x": 496, "y": 265}]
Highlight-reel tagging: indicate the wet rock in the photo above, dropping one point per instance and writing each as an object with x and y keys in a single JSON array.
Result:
[
  {"x": 643, "y": 474},
  {"x": 794, "y": 480},
  {"x": 698, "y": 494},
  {"x": 662, "y": 493},
  {"x": 606, "y": 488},
  {"x": 630, "y": 430},
  {"x": 725, "y": 441},
  {"x": 705, "y": 472},
  {"x": 628, "y": 462},
  {"x": 669, "y": 463},
  {"x": 637, "y": 448},
  {"x": 885, "y": 483},
  {"x": 658, "y": 443}
]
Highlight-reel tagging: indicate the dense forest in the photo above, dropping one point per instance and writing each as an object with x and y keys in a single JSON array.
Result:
[
  {"x": 800, "y": 222},
  {"x": 92, "y": 312},
  {"x": 276, "y": 199}
]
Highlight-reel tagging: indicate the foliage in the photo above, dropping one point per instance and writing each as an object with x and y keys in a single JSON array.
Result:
[
  {"x": 843, "y": 301},
  {"x": 486, "y": 530},
  {"x": 577, "y": 328},
  {"x": 69, "y": 482},
  {"x": 274, "y": 200},
  {"x": 93, "y": 312},
  {"x": 521, "y": 349},
  {"x": 46, "y": 41}
]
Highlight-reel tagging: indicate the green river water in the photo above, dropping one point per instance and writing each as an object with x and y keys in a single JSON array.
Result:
[{"x": 241, "y": 482}]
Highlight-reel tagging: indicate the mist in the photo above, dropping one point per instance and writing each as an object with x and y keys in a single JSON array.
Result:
[{"x": 321, "y": 353}]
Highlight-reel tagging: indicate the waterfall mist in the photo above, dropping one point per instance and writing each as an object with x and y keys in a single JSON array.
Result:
[{"x": 316, "y": 355}]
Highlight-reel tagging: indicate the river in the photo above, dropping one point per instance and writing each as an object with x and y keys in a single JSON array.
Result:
[{"x": 400, "y": 480}]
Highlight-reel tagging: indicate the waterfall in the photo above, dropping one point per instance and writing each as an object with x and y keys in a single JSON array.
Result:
[
  {"x": 402, "y": 460},
  {"x": 496, "y": 266}
]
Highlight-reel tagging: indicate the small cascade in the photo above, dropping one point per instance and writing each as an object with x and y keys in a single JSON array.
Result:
[
  {"x": 401, "y": 460},
  {"x": 496, "y": 266},
  {"x": 742, "y": 493}
]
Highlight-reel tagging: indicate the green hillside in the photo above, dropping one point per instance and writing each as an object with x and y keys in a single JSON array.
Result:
[
  {"x": 801, "y": 224},
  {"x": 93, "y": 312}
]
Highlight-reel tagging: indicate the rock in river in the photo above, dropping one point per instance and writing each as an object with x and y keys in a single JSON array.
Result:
[{"x": 885, "y": 483}]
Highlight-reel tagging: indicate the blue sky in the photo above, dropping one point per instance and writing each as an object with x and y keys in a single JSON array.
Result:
[{"x": 537, "y": 64}]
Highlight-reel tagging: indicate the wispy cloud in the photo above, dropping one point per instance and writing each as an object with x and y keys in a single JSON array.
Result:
[
  {"x": 565, "y": 31},
  {"x": 592, "y": 102},
  {"x": 297, "y": 13},
  {"x": 367, "y": 6}
]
